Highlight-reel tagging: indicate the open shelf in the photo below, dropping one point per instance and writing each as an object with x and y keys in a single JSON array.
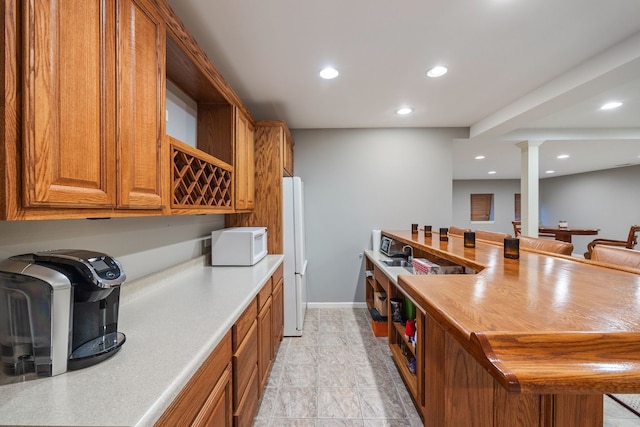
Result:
[
  {"x": 202, "y": 178},
  {"x": 403, "y": 338},
  {"x": 410, "y": 379}
]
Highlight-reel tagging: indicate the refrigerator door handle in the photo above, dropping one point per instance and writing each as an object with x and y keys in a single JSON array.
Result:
[{"x": 304, "y": 268}]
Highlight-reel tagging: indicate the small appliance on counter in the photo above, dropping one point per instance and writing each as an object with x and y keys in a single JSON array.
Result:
[
  {"x": 58, "y": 312},
  {"x": 238, "y": 246},
  {"x": 390, "y": 247}
]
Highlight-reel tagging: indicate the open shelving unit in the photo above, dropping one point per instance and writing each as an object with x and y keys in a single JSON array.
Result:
[
  {"x": 202, "y": 176},
  {"x": 403, "y": 350},
  {"x": 376, "y": 281}
]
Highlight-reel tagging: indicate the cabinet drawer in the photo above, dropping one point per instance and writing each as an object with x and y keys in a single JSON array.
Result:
[
  {"x": 246, "y": 410},
  {"x": 243, "y": 324},
  {"x": 264, "y": 294},
  {"x": 244, "y": 360}
]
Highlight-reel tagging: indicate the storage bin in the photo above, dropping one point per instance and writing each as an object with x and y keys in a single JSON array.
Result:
[
  {"x": 380, "y": 303},
  {"x": 380, "y": 329}
]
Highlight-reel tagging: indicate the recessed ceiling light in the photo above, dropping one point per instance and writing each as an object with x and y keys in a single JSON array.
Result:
[
  {"x": 329, "y": 73},
  {"x": 550, "y": 172},
  {"x": 437, "y": 71},
  {"x": 479, "y": 157},
  {"x": 563, "y": 156},
  {"x": 492, "y": 172},
  {"x": 611, "y": 105},
  {"x": 404, "y": 111}
]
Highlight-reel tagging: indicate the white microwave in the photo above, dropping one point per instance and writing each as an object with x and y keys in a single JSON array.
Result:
[{"x": 238, "y": 245}]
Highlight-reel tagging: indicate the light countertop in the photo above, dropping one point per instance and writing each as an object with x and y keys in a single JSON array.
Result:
[
  {"x": 172, "y": 321},
  {"x": 391, "y": 272}
]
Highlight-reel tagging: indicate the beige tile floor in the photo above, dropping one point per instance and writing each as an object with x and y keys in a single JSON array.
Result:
[{"x": 338, "y": 374}]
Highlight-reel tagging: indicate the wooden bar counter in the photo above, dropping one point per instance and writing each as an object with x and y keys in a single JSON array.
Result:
[{"x": 530, "y": 342}]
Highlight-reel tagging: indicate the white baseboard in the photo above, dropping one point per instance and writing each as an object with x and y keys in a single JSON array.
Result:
[{"x": 336, "y": 305}]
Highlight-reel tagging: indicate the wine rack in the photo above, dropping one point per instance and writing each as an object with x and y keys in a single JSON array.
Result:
[{"x": 199, "y": 180}]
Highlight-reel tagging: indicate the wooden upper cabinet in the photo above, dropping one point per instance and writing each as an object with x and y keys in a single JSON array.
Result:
[
  {"x": 244, "y": 168},
  {"x": 141, "y": 70},
  {"x": 288, "y": 152},
  {"x": 69, "y": 115},
  {"x": 251, "y": 166},
  {"x": 93, "y": 103}
]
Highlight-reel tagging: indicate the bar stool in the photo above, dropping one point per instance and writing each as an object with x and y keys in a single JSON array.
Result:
[
  {"x": 543, "y": 245},
  {"x": 491, "y": 236},
  {"x": 457, "y": 231},
  {"x": 617, "y": 256}
]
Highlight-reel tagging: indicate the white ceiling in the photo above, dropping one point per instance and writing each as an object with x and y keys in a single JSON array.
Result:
[{"x": 518, "y": 70}]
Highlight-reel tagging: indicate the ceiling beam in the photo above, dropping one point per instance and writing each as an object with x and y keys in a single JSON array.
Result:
[{"x": 615, "y": 66}]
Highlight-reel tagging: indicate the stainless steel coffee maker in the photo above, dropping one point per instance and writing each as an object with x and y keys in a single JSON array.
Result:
[{"x": 58, "y": 311}]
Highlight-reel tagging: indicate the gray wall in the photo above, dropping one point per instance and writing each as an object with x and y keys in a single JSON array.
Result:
[
  {"x": 503, "y": 191},
  {"x": 607, "y": 199},
  {"x": 357, "y": 180},
  {"x": 143, "y": 245}
]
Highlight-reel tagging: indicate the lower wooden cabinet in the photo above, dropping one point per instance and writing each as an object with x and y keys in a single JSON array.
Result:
[
  {"x": 207, "y": 396},
  {"x": 226, "y": 388},
  {"x": 216, "y": 411},
  {"x": 245, "y": 360},
  {"x": 248, "y": 405},
  {"x": 277, "y": 314},
  {"x": 265, "y": 348}
]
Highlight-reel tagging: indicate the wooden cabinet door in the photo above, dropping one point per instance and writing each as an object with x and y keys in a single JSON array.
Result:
[
  {"x": 250, "y": 166},
  {"x": 240, "y": 162},
  {"x": 69, "y": 114},
  {"x": 202, "y": 398},
  {"x": 140, "y": 102},
  {"x": 288, "y": 152},
  {"x": 264, "y": 343},
  {"x": 277, "y": 311},
  {"x": 244, "y": 167},
  {"x": 216, "y": 410},
  {"x": 94, "y": 102}
]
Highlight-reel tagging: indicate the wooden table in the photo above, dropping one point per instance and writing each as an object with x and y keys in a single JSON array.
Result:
[
  {"x": 530, "y": 342},
  {"x": 565, "y": 233}
]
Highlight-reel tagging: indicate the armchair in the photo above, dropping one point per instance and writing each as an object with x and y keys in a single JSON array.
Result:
[{"x": 630, "y": 243}]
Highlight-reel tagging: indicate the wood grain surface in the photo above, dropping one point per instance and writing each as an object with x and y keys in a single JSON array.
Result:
[{"x": 539, "y": 324}]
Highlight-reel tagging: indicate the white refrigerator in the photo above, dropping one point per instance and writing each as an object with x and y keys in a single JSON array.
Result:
[{"x": 295, "y": 261}]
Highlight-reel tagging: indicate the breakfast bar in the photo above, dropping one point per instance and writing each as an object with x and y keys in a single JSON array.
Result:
[{"x": 534, "y": 341}]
